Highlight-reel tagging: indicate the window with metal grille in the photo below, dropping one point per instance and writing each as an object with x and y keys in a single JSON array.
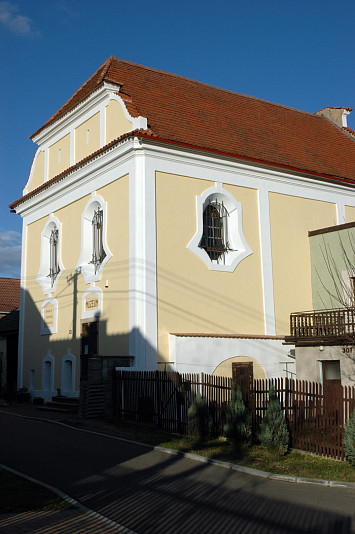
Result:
[
  {"x": 98, "y": 252},
  {"x": 54, "y": 268},
  {"x": 214, "y": 237}
]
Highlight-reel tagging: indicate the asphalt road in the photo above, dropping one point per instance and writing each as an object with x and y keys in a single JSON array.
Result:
[{"x": 153, "y": 492}]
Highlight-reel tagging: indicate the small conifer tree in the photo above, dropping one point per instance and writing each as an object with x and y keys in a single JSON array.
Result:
[
  {"x": 238, "y": 419},
  {"x": 349, "y": 439},
  {"x": 200, "y": 420},
  {"x": 274, "y": 434}
]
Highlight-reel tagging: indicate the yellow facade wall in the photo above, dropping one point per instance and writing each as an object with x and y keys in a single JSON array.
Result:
[
  {"x": 290, "y": 219},
  {"x": 69, "y": 290},
  {"x": 116, "y": 122},
  {"x": 349, "y": 213},
  {"x": 37, "y": 177},
  {"x": 59, "y": 156},
  {"x": 115, "y": 321},
  {"x": 192, "y": 298},
  {"x": 87, "y": 137}
]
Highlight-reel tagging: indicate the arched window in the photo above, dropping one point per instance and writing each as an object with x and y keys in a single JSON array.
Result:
[
  {"x": 98, "y": 252},
  {"x": 94, "y": 250},
  {"x": 214, "y": 236},
  {"x": 219, "y": 239},
  {"x": 54, "y": 268},
  {"x": 50, "y": 261}
]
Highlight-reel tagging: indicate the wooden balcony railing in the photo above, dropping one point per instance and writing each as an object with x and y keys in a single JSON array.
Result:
[{"x": 336, "y": 323}]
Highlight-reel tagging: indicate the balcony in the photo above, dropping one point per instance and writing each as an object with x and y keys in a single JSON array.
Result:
[{"x": 322, "y": 326}]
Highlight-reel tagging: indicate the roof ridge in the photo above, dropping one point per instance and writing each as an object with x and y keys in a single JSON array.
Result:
[
  {"x": 105, "y": 66},
  {"x": 229, "y": 91}
]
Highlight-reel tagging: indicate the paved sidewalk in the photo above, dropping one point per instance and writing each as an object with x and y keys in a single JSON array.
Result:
[{"x": 71, "y": 521}]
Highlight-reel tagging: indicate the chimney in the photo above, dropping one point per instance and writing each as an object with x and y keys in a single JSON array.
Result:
[{"x": 336, "y": 115}]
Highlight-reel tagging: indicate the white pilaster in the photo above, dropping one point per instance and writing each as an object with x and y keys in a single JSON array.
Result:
[
  {"x": 266, "y": 262},
  {"x": 340, "y": 212},
  {"x": 142, "y": 264},
  {"x": 22, "y": 306}
]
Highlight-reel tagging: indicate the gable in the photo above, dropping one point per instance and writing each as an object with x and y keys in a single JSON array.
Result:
[{"x": 183, "y": 110}]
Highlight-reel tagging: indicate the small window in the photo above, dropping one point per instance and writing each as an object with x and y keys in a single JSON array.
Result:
[
  {"x": 331, "y": 370},
  {"x": 54, "y": 268},
  {"x": 98, "y": 252},
  {"x": 214, "y": 237}
]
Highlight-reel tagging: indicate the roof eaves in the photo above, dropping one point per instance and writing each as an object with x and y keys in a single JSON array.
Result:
[
  {"x": 325, "y": 177},
  {"x": 74, "y": 167}
]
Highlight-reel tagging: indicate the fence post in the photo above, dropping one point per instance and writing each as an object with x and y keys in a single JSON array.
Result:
[{"x": 157, "y": 388}]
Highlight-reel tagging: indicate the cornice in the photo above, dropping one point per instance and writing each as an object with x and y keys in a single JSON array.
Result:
[{"x": 165, "y": 158}]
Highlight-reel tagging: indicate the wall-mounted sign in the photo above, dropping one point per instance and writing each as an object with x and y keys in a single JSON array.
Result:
[
  {"x": 91, "y": 302},
  {"x": 49, "y": 315}
]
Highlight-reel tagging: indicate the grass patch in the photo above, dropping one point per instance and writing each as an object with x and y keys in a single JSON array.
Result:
[
  {"x": 294, "y": 463},
  {"x": 18, "y": 495}
]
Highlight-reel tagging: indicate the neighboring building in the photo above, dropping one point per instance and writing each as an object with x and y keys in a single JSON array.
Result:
[
  {"x": 325, "y": 336},
  {"x": 165, "y": 222},
  {"x": 9, "y": 295},
  {"x": 9, "y": 326}
]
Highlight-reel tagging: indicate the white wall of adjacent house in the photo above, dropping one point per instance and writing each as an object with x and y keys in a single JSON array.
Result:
[
  {"x": 309, "y": 362},
  {"x": 192, "y": 354}
]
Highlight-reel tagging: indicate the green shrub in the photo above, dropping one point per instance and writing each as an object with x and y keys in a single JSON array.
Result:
[
  {"x": 274, "y": 434},
  {"x": 200, "y": 420},
  {"x": 238, "y": 419},
  {"x": 349, "y": 439}
]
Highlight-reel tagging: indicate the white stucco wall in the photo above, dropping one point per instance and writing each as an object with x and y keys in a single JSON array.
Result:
[{"x": 203, "y": 354}]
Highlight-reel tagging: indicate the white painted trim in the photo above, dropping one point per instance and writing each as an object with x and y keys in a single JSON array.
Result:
[
  {"x": 341, "y": 218},
  {"x": 38, "y": 151},
  {"x": 84, "y": 266},
  {"x": 48, "y": 393},
  {"x": 54, "y": 329},
  {"x": 266, "y": 262},
  {"x": 68, "y": 357},
  {"x": 102, "y": 126},
  {"x": 42, "y": 277},
  {"x": 142, "y": 264},
  {"x": 99, "y": 172},
  {"x": 71, "y": 147},
  {"x": 234, "y": 230},
  {"x": 22, "y": 306},
  {"x": 92, "y": 313},
  {"x": 95, "y": 103}
]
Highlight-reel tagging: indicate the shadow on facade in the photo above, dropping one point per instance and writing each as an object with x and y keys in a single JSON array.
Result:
[{"x": 83, "y": 361}]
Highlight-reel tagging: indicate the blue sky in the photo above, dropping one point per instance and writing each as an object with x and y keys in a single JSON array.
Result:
[{"x": 297, "y": 53}]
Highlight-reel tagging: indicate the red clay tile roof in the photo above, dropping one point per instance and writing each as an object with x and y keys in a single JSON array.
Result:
[
  {"x": 9, "y": 294},
  {"x": 185, "y": 111}
]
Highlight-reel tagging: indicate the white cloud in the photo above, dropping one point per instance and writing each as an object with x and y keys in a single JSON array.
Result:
[
  {"x": 14, "y": 21},
  {"x": 10, "y": 253},
  {"x": 70, "y": 9}
]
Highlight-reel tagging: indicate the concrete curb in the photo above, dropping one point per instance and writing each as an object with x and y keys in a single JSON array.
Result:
[
  {"x": 197, "y": 458},
  {"x": 95, "y": 515}
]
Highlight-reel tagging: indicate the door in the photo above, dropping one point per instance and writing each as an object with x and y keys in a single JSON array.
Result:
[
  {"x": 89, "y": 345},
  {"x": 242, "y": 374}
]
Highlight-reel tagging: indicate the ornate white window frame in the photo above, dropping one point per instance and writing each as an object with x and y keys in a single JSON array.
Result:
[
  {"x": 238, "y": 247},
  {"x": 95, "y": 312},
  {"x": 44, "y": 328},
  {"x": 85, "y": 265},
  {"x": 46, "y": 282}
]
